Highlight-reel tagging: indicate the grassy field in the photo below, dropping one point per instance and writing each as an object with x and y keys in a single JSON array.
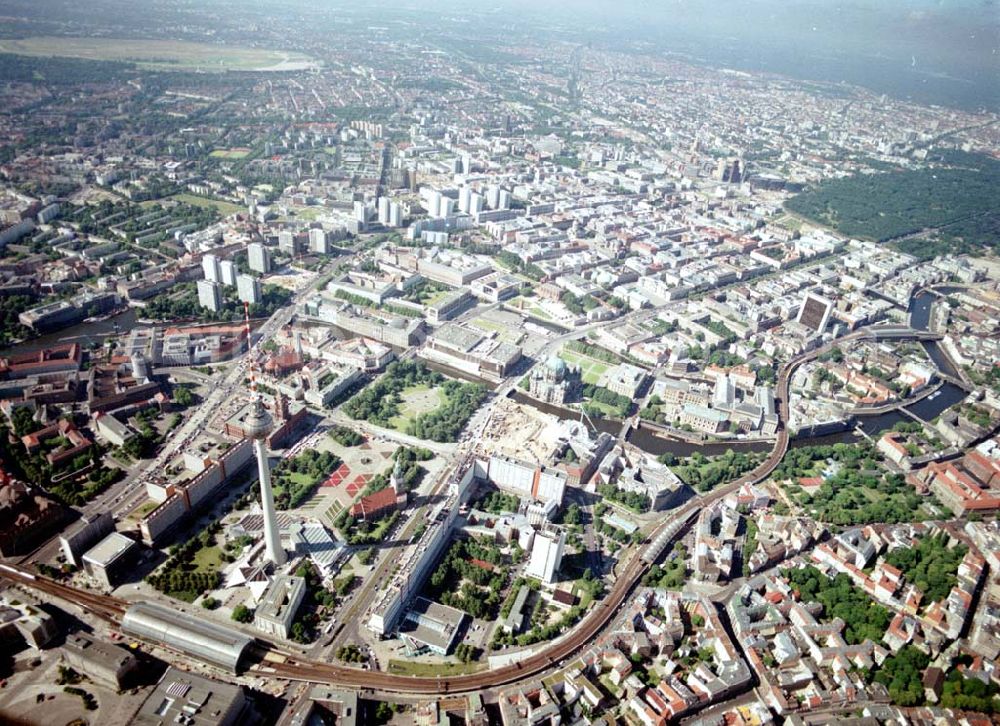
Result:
[
  {"x": 225, "y": 208},
  {"x": 310, "y": 214},
  {"x": 230, "y": 153},
  {"x": 590, "y": 370},
  {"x": 416, "y": 400},
  {"x": 159, "y": 54},
  {"x": 208, "y": 559},
  {"x": 410, "y": 668}
]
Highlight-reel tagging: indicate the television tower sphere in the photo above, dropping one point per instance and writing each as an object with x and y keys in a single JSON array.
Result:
[{"x": 258, "y": 423}]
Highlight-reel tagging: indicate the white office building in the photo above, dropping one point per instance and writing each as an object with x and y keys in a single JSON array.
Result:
[
  {"x": 276, "y": 611},
  {"x": 249, "y": 290},
  {"x": 395, "y": 215},
  {"x": 318, "y": 242},
  {"x": 229, "y": 272},
  {"x": 210, "y": 295},
  {"x": 546, "y": 555},
  {"x": 259, "y": 258},
  {"x": 212, "y": 269}
]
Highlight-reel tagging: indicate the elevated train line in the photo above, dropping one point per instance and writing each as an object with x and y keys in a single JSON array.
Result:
[{"x": 267, "y": 660}]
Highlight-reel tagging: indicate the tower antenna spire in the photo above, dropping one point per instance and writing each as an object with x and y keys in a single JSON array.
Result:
[{"x": 253, "y": 370}]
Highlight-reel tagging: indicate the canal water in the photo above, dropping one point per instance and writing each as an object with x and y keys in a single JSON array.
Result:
[{"x": 86, "y": 334}]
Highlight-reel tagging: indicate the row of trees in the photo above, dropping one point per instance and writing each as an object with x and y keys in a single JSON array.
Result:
[
  {"x": 513, "y": 262},
  {"x": 180, "y": 576},
  {"x": 345, "y": 436},
  {"x": 316, "y": 604},
  {"x": 618, "y": 535}
]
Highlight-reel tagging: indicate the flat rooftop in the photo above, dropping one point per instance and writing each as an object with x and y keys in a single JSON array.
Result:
[
  {"x": 184, "y": 697},
  {"x": 431, "y": 623},
  {"x": 109, "y": 549}
]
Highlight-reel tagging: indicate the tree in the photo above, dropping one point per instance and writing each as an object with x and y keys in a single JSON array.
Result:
[
  {"x": 242, "y": 614},
  {"x": 183, "y": 396},
  {"x": 572, "y": 515}
]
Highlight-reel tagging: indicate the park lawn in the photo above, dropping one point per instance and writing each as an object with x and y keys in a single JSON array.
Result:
[
  {"x": 416, "y": 400},
  {"x": 382, "y": 528},
  {"x": 604, "y": 408},
  {"x": 230, "y": 153},
  {"x": 160, "y": 54},
  {"x": 412, "y": 668},
  {"x": 590, "y": 370},
  {"x": 439, "y": 295},
  {"x": 208, "y": 559},
  {"x": 310, "y": 214},
  {"x": 300, "y": 478},
  {"x": 225, "y": 208},
  {"x": 874, "y": 496}
]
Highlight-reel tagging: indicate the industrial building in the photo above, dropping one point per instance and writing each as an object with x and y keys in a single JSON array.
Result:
[{"x": 194, "y": 637}]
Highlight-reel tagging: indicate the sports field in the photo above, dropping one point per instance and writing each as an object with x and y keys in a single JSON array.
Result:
[
  {"x": 159, "y": 54},
  {"x": 230, "y": 153},
  {"x": 224, "y": 207}
]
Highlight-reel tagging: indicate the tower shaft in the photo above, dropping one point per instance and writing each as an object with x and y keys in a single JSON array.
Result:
[{"x": 272, "y": 538}]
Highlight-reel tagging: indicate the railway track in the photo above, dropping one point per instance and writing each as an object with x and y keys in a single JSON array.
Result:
[{"x": 271, "y": 661}]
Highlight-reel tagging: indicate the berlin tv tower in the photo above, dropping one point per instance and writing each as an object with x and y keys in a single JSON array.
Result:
[{"x": 257, "y": 426}]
